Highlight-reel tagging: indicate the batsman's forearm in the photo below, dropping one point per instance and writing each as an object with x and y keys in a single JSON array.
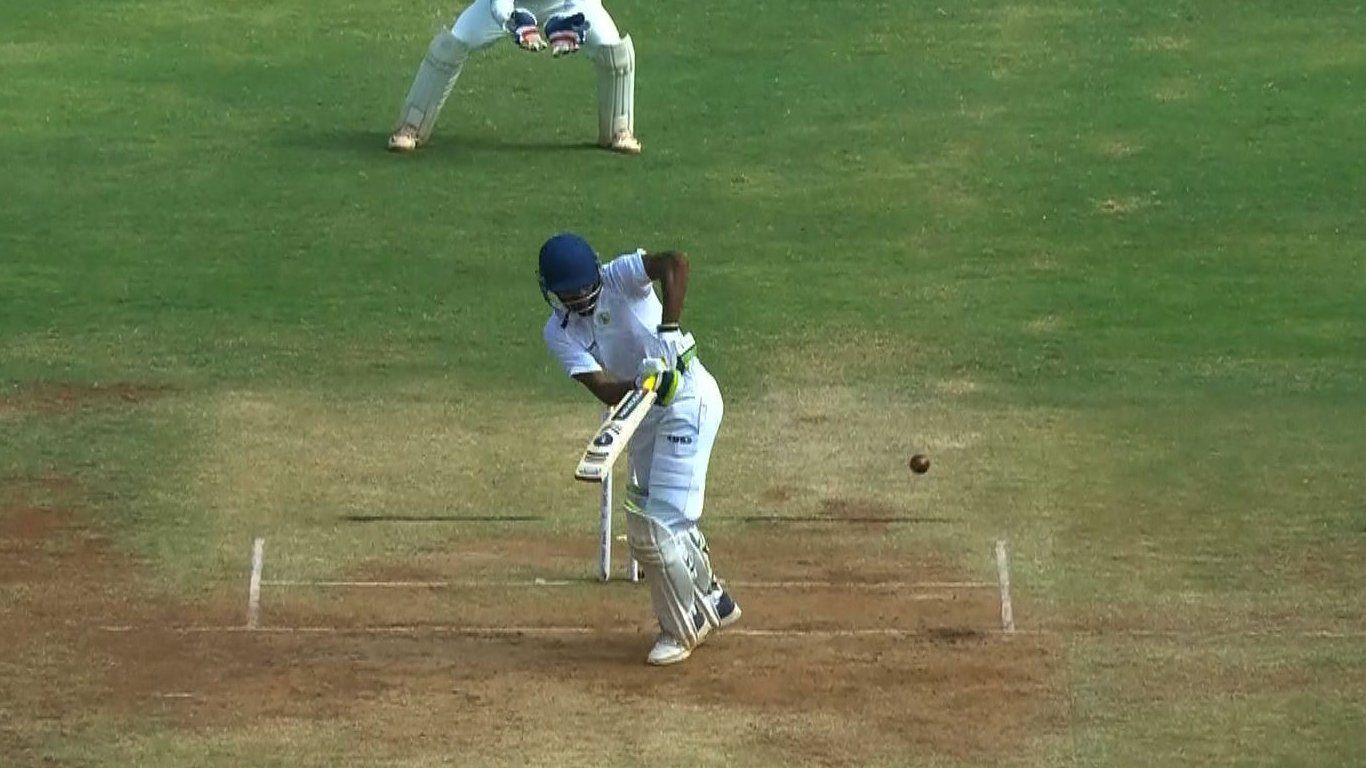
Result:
[
  {"x": 674, "y": 285},
  {"x": 607, "y": 390},
  {"x": 612, "y": 393}
]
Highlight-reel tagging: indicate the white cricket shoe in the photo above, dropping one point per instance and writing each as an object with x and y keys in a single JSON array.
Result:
[
  {"x": 667, "y": 650},
  {"x": 404, "y": 139},
  {"x": 625, "y": 143},
  {"x": 670, "y": 650}
]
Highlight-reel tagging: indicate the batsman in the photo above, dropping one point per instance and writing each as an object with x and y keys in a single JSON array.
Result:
[
  {"x": 612, "y": 333},
  {"x": 569, "y": 26}
]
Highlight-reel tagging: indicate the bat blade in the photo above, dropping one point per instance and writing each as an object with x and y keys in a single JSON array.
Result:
[{"x": 611, "y": 438}]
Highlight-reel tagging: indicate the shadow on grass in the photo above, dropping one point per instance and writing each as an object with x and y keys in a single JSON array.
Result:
[
  {"x": 440, "y": 518},
  {"x": 743, "y": 519},
  {"x": 372, "y": 142},
  {"x": 828, "y": 519}
]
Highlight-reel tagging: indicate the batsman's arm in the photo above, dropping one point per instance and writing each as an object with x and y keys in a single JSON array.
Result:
[
  {"x": 604, "y": 387},
  {"x": 670, "y": 270},
  {"x": 654, "y": 377}
]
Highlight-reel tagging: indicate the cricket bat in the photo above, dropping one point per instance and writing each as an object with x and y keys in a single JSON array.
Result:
[{"x": 613, "y": 435}]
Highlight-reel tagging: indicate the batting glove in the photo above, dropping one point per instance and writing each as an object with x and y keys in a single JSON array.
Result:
[
  {"x": 522, "y": 26},
  {"x": 676, "y": 347},
  {"x": 655, "y": 376},
  {"x": 566, "y": 33}
]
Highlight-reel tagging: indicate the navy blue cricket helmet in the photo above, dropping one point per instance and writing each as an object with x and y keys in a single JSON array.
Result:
[{"x": 569, "y": 272}]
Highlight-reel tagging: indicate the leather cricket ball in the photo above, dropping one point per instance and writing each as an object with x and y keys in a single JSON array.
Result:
[{"x": 919, "y": 463}]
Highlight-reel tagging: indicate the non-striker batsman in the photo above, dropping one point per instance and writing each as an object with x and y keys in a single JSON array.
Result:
[
  {"x": 569, "y": 25},
  {"x": 610, "y": 332}
]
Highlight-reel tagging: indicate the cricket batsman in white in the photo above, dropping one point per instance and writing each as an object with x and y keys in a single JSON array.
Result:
[
  {"x": 570, "y": 25},
  {"x": 612, "y": 333}
]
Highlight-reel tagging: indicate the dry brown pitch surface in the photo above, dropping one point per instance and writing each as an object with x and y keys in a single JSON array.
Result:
[{"x": 87, "y": 643}]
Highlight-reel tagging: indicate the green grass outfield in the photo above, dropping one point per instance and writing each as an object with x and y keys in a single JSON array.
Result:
[{"x": 1103, "y": 260}]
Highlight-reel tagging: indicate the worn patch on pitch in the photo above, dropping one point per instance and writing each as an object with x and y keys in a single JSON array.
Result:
[{"x": 67, "y": 397}]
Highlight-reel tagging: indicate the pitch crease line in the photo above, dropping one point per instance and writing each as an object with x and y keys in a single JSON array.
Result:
[
  {"x": 548, "y": 631},
  {"x": 474, "y": 583},
  {"x": 947, "y": 633}
]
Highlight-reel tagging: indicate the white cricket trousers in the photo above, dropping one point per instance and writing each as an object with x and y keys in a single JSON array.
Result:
[{"x": 670, "y": 453}]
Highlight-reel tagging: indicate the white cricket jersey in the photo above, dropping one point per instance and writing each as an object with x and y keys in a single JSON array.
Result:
[{"x": 622, "y": 330}]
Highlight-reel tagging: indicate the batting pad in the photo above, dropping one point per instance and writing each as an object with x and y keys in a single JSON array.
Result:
[
  {"x": 666, "y": 559},
  {"x": 704, "y": 580},
  {"x": 435, "y": 79},
  {"x": 616, "y": 65}
]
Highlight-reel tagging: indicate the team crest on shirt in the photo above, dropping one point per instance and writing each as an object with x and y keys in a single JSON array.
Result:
[{"x": 604, "y": 317}]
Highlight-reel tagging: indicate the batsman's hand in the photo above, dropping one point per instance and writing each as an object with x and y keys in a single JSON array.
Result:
[
  {"x": 676, "y": 347},
  {"x": 566, "y": 33},
  {"x": 655, "y": 376},
  {"x": 522, "y": 26}
]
